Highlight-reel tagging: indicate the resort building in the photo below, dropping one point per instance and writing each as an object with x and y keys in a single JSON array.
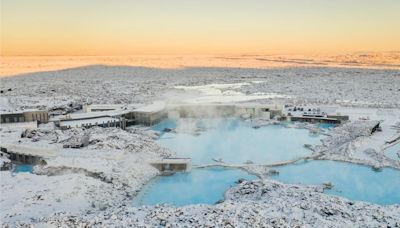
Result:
[
  {"x": 41, "y": 116},
  {"x": 91, "y": 119},
  {"x": 125, "y": 115},
  {"x": 265, "y": 111},
  {"x": 149, "y": 115},
  {"x": 172, "y": 164},
  {"x": 113, "y": 116},
  {"x": 92, "y": 122},
  {"x": 313, "y": 114},
  {"x": 12, "y": 117},
  {"x": 109, "y": 107}
]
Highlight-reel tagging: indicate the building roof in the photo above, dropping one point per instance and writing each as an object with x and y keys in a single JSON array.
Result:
[
  {"x": 90, "y": 115},
  {"x": 323, "y": 110},
  {"x": 172, "y": 161},
  {"x": 113, "y": 106},
  {"x": 258, "y": 105},
  {"x": 20, "y": 111},
  {"x": 315, "y": 117},
  {"x": 92, "y": 121},
  {"x": 11, "y": 112}
]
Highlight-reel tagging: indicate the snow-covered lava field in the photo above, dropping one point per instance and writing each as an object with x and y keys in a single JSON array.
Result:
[{"x": 95, "y": 185}]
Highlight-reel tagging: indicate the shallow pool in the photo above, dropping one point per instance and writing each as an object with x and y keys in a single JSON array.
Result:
[
  {"x": 205, "y": 186},
  {"x": 18, "y": 168},
  {"x": 352, "y": 181},
  {"x": 392, "y": 151},
  {"x": 234, "y": 141}
]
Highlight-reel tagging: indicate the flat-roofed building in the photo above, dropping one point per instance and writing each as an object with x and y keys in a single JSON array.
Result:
[
  {"x": 266, "y": 111},
  {"x": 314, "y": 114},
  {"x": 93, "y": 122},
  {"x": 12, "y": 117},
  {"x": 109, "y": 107},
  {"x": 41, "y": 116},
  {"x": 172, "y": 164},
  {"x": 150, "y": 114}
]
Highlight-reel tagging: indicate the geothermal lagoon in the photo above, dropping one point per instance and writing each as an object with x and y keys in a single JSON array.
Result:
[
  {"x": 352, "y": 181},
  {"x": 235, "y": 142},
  {"x": 195, "y": 187}
]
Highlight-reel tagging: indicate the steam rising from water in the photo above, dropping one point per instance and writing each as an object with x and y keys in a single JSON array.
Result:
[{"x": 234, "y": 141}]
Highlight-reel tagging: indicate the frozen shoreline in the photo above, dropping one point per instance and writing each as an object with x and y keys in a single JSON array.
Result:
[{"x": 104, "y": 176}]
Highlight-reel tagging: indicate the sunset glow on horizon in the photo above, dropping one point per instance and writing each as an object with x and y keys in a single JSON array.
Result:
[{"x": 179, "y": 27}]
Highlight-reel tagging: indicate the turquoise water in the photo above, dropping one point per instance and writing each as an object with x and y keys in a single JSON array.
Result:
[
  {"x": 352, "y": 181},
  {"x": 232, "y": 140},
  {"x": 391, "y": 152},
  {"x": 23, "y": 169},
  {"x": 205, "y": 186},
  {"x": 235, "y": 141},
  {"x": 326, "y": 125}
]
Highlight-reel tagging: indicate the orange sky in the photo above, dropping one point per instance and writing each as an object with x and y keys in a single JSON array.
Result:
[{"x": 125, "y": 27}]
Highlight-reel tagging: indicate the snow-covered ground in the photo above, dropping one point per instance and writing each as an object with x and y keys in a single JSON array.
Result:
[
  {"x": 260, "y": 203},
  {"x": 16, "y": 65},
  {"x": 65, "y": 90},
  {"x": 94, "y": 185}
]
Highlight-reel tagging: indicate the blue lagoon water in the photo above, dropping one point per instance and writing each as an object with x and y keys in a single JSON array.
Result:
[
  {"x": 205, "y": 186},
  {"x": 352, "y": 181},
  {"x": 235, "y": 141},
  {"x": 23, "y": 168}
]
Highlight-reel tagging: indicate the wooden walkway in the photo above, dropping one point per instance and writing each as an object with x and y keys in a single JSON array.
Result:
[{"x": 276, "y": 164}]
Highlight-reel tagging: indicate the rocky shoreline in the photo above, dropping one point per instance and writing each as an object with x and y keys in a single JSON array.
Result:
[{"x": 260, "y": 203}]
